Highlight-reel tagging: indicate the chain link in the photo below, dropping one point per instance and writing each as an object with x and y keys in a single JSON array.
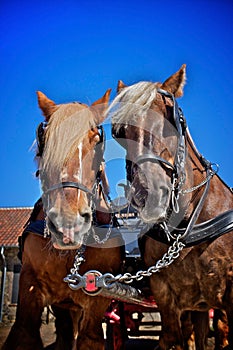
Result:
[
  {"x": 79, "y": 258},
  {"x": 172, "y": 254},
  {"x": 194, "y": 188},
  {"x": 107, "y": 235}
]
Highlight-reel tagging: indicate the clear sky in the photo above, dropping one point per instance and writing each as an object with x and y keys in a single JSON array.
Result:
[{"x": 75, "y": 50}]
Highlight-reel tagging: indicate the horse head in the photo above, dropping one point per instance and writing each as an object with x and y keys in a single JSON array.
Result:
[
  {"x": 70, "y": 151},
  {"x": 147, "y": 121}
]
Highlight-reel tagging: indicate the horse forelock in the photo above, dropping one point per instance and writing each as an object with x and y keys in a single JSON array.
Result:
[
  {"x": 65, "y": 131},
  {"x": 132, "y": 103}
]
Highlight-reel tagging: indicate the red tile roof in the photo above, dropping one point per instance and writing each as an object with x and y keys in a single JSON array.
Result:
[{"x": 12, "y": 221}]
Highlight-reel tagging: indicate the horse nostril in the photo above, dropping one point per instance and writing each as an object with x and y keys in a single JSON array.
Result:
[
  {"x": 164, "y": 193},
  {"x": 162, "y": 196},
  {"x": 52, "y": 214},
  {"x": 86, "y": 216},
  {"x": 139, "y": 197}
]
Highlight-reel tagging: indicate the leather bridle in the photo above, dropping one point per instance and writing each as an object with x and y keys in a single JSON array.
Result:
[
  {"x": 178, "y": 176},
  {"x": 178, "y": 171},
  {"x": 40, "y": 138}
]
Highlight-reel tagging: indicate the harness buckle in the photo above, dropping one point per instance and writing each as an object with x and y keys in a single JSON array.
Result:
[{"x": 92, "y": 286}]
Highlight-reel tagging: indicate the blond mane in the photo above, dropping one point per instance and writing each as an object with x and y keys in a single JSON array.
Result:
[
  {"x": 132, "y": 102},
  {"x": 65, "y": 131}
]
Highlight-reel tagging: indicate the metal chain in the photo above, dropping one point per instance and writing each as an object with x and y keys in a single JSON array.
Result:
[
  {"x": 78, "y": 259},
  {"x": 108, "y": 201},
  {"x": 106, "y": 280},
  {"x": 172, "y": 254},
  {"x": 96, "y": 237},
  {"x": 212, "y": 173}
]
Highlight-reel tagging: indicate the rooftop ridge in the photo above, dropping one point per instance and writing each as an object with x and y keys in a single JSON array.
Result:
[{"x": 15, "y": 208}]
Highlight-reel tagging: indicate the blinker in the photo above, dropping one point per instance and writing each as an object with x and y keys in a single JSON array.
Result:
[{"x": 40, "y": 139}]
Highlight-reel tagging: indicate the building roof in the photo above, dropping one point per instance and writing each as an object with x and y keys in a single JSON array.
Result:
[{"x": 12, "y": 221}]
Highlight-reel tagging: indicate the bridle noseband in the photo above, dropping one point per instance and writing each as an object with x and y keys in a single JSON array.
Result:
[
  {"x": 149, "y": 157},
  {"x": 69, "y": 184}
]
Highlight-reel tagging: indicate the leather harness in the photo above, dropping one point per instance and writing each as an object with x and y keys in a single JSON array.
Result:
[{"x": 193, "y": 234}]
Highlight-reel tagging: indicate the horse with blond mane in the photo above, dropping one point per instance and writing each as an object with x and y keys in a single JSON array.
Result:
[
  {"x": 70, "y": 154},
  {"x": 187, "y": 207}
]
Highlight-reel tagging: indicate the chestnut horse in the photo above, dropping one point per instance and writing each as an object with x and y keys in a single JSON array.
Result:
[
  {"x": 69, "y": 158},
  {"x": 184, "y": 203}
]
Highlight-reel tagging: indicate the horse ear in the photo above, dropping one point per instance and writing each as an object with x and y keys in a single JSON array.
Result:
[
  {"x": 46, "y": 105},
  {"x": 175, "y": 83},
  {"x": 120, "y": 85},
  {"x": 101, "y": 106}
]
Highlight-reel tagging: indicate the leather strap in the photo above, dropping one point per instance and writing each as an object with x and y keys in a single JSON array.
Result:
[
  {"x": 154, "y": 159},
  {"x": 69, "y": 184},
  {"x": 203, "y": 232},
  {"x": 198, "y": 208},
  {"x": 211, "y": 229}
]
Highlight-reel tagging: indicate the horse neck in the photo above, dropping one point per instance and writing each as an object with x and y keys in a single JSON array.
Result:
[{"x": 219, "y": 197}]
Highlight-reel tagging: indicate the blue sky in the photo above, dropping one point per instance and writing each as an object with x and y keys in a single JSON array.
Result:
[{"x": 76, "y": 50}]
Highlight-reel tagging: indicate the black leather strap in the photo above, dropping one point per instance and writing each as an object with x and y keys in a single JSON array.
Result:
[
  {"x": 69, "y": 184},
  {"x": 179, "y": 161},
  {"x": 210, "y": 229},
  {"x": 206, "y": 231},
  {"x": 154, "y": 159}
]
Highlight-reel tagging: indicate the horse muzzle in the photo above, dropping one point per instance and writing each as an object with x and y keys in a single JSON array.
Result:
[{"x": 68, "y": 232}]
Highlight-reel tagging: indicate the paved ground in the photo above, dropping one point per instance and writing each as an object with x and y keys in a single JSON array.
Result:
[{"x": 47, "y": 333}]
